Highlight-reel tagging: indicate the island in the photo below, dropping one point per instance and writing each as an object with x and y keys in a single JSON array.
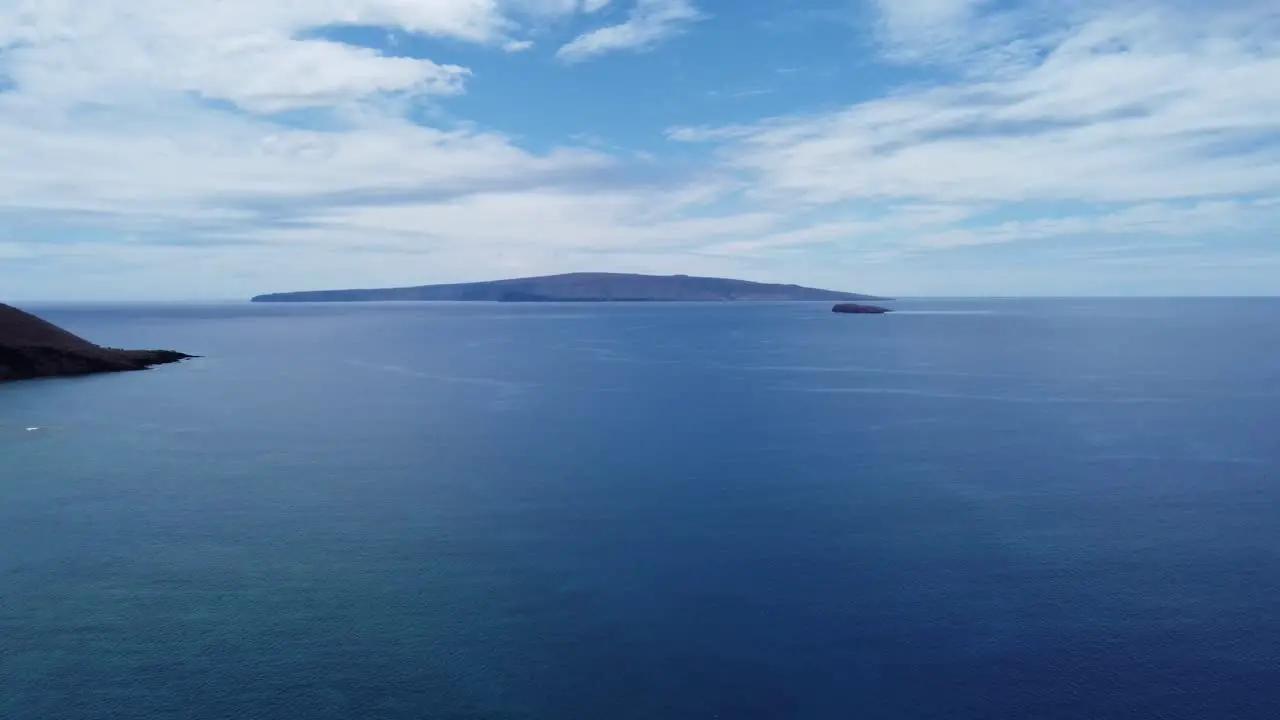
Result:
[
  {"x": 34, "y": 348},
  {"x": 581, "y": 287},
  {"x": 856, "y": 309}
]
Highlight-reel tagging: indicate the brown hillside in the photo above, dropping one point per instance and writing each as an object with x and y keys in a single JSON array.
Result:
[{"x": 32, "y": 348}]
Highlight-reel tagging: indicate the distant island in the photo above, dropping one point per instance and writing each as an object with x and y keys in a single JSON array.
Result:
[
  {"x": 34, "y": 348},
  {"x": 581, "y": 287}
]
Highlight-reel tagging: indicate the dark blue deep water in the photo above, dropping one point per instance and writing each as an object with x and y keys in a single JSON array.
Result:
[{"x": 973, "y": 510}]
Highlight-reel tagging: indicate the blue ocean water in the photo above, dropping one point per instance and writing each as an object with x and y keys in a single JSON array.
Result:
[{"x": 969, "y": 509}]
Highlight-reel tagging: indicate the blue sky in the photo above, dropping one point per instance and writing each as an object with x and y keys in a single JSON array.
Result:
[{"x": 222, "y": 148}]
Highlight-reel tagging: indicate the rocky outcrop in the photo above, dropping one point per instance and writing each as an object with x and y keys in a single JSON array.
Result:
[
  {"x": 33, "y": 348},
  {"x": 856, "y": 309}
]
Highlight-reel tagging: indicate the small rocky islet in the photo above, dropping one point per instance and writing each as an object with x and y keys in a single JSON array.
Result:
[
  {"x": 858, "y": 309},
  {"x": 34, "y": 348}
]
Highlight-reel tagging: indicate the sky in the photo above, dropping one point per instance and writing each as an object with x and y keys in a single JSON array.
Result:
[{"x": 216, "y": 149}]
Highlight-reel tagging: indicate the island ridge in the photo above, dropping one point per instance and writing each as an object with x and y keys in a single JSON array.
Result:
[{"x": 582, "y": 287}]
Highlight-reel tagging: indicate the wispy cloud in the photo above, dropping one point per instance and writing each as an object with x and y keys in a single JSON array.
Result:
[
  {"x": 1129, "y": 109},
  {"x": 256, "y": 56},
  {"x": 740, "y": 94},
  {"x": 650, "y": 22},
  {"x": 931, "y": 30}
]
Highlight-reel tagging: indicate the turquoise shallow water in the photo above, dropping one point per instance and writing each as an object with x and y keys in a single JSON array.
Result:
[{"x": 970, "y": 509}]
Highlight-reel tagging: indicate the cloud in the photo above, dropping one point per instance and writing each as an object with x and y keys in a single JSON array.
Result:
[
  {"x": 1134, "y": 104},
  {"x": 129, "y": 121},
  {"x": 550, "y": 221},
  {"x": 1155, "y": 123},
  {"x": 650, "y": 22},
  {"x": 917, "y": 29},
  {"x": 1149, "y": 220},
  {"x": 256, "y": 56}
]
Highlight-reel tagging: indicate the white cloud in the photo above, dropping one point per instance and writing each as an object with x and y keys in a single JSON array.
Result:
[
  {"x": 255, "y": 55},
  {"x": 650, "y": 22},
  {"x": 591, "y": 6},
  {"x": 1149, "y": 220},
  {"x": 1126, "y": 107},
  {"x": 264, "y": 77},
  {"x": 918, "y": 29},
  {"x": 1149, "y": 122},
  {"x": 549, "y": 221},
  {"x": 148, "y": 143}
]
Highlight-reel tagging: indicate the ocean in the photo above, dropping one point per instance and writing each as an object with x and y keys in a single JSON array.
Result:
[{"x": 968, "y": 509}]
